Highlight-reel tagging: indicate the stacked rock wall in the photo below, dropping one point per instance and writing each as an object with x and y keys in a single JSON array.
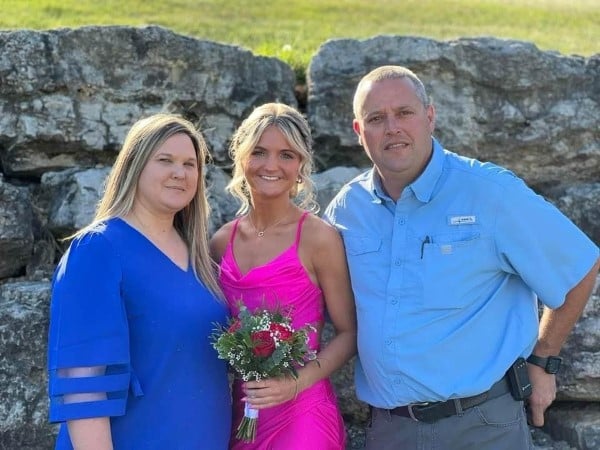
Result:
[{"x": 67, "y": 98}]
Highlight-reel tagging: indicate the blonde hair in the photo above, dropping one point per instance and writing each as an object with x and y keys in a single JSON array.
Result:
[
  {"x": 296, "y": 130},
  {"x": 388, "y": 73},
  {"x": 144, "y": 137}
]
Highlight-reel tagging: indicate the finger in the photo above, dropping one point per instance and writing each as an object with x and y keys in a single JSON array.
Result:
[{"x": 537, "y": 415}]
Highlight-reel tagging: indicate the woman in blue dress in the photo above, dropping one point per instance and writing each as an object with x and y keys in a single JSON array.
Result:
[{"x": 134, "y": 300}]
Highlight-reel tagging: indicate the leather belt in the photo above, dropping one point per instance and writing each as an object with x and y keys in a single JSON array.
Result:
[{"x": 430, "y": 412}]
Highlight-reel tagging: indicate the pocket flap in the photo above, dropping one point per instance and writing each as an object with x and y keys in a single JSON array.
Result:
[{"x": 356, "y": 245}]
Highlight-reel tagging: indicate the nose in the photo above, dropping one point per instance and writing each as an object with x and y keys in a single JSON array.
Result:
[
  {"x": 392, "y": 124},
  {"x": 178, "y": 171},
  {"x": 271, "y": 162}
]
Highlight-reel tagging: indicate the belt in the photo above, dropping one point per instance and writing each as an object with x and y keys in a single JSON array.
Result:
[{"x": 431, "y": 412}]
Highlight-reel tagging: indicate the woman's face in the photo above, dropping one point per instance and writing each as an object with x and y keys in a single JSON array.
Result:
[
  {"x": 169, "y": 180},
  {"x": 273, "y": 167}
]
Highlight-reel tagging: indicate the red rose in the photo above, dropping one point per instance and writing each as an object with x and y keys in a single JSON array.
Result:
[
  {"x": 281, "y": 331},
  {"x": 264, "y": 345},
  {"x": 235, "y": 325}
]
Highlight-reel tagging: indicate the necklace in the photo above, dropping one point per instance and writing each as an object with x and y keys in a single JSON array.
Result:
[{"x": 261, "y": 233}]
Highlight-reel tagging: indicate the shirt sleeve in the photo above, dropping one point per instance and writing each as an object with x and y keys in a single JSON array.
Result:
[
  {"x": 540, "y": 244},
  {"x": 88, "y": 343}
]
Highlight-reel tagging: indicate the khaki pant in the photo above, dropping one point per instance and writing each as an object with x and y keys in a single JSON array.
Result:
[{"x": 497, "y": 424}]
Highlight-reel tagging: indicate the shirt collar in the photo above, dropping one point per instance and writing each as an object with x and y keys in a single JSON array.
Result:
[
  {"x": 422, "y": 186},
  {"x": 374, "y": 188}
]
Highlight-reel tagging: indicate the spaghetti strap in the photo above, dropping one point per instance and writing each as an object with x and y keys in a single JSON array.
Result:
[
  {"x": 235, "y": 226},
  {"x": 299, "y": 230}
]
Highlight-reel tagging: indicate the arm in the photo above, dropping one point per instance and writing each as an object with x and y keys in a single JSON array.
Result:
[
  {"x": 88, "y": 334},
  {"x": 329, "y": 260},
  {"x": 555, "y": 326},
  {"x": 328, "y": 263},
  {"x": 90, "y": 434},
  {"x": 218, "y": 242}
]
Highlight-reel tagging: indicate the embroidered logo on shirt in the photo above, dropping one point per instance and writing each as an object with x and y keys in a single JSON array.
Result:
[
  {"x": 446, "y": 249},
  {"x": 462, "y": 220}
]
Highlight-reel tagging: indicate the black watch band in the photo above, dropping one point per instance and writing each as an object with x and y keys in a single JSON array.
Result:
[{"x": 550, "y": 364}]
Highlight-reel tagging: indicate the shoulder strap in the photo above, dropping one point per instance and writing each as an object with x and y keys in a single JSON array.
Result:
[
  {"x": 299, "y": 230},
  {"x": 235, "y": 226}
]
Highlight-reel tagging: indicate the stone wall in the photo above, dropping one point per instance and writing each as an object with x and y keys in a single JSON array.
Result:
[{"x": 67, "y": 98}]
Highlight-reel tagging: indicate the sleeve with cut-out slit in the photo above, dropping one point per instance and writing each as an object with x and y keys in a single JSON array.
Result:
[{"x": 88, "y": 343}]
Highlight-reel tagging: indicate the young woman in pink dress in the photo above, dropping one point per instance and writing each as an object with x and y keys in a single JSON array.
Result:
[{"x": 278, "y": 254}]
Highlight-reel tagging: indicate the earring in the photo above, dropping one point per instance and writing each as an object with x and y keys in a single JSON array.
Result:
[{"x": 299, "y": 180}]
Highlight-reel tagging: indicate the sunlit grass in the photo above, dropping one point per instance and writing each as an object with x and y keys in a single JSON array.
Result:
[{"x": 293, "y": 30}]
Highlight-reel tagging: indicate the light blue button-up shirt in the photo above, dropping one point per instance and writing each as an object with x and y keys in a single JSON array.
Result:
[{"x": 446, "y": 279}]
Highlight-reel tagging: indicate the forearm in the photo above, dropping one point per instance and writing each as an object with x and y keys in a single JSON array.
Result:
[
  {"x": 339, "y": 350},
  {"x": 90, "y": 434},
  {"x": 555, "y": 325}
]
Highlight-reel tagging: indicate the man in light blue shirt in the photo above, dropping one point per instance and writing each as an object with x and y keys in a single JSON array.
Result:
[{"x": 448, "y": 257}]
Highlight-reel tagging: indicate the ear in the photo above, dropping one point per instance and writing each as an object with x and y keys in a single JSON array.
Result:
[
  {"x": 431, "y": 117},
  {"x": 356, "y": 126}
]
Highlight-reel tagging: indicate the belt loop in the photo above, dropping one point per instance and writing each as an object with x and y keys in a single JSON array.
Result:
[
  {"x": 458, "y": 407},
  {"x": 388, "y": 415}
]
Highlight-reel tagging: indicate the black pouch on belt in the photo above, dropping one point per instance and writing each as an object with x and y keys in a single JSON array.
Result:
[{"x": 520, "y": 386}]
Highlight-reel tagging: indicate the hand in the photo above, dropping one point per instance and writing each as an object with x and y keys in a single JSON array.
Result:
[
  {"x": 543, "y": 393},
  {"x": 270, "y": 392}
]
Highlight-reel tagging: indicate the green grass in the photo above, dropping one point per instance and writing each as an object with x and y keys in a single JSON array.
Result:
[{"x": 292, "y": 30}]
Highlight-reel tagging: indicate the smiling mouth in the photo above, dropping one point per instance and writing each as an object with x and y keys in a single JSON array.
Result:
[
  {"x": 396, "y": 146},
  {"x": 268, "y": 178}
]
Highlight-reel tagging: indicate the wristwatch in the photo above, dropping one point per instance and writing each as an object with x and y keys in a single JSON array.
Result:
[{"x": 550, "y": 364}]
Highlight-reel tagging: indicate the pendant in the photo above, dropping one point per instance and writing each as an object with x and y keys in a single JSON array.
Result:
[{"x": 261, "y": 233}]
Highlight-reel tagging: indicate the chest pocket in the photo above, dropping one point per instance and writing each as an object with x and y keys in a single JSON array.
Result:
[
  {"x": 361, "y": 245},
  {"x": 457, "y": 267},
  {"x": 366, "y": 265}
]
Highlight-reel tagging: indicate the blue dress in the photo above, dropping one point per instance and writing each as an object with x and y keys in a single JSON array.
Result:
[{"x": 119, "y": 303}]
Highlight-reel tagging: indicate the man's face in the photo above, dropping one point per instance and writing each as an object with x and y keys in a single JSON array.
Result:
[{"x": 395, "y": 129}]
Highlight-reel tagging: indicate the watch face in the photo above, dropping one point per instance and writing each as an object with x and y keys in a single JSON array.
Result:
[{"x": 553, "y": 364}]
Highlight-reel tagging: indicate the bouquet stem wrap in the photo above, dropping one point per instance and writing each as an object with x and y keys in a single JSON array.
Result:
[{"x": 246, "y": 430}]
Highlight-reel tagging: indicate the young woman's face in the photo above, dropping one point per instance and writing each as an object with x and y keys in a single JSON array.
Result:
[{"x": 273, "y": 167}]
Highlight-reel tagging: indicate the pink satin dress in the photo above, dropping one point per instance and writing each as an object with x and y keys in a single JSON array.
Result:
[{"x": 311, "y": 421}]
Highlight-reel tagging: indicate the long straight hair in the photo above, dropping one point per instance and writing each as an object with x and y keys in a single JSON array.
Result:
[{"x": 142, "y": 140}]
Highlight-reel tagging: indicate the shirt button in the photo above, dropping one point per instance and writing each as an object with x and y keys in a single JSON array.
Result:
[
  {"x": 394, "y": 301},
  {"x": 397, "y": 262},
  {"x": 388, "y": 342},
  {"x": 401, "y": 221}
]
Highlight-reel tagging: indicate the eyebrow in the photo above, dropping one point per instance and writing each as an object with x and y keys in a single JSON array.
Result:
[
  {"x": 163, "y": 153},
  {"x": 285, "y": 149},
  {"x": 381, "y": 111}
]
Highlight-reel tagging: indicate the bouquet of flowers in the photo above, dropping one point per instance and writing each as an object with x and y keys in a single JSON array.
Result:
[{"x": 261, "y": 344}]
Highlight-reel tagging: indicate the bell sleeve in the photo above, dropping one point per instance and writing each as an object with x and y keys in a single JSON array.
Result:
[{"x": 88, "y": 342}]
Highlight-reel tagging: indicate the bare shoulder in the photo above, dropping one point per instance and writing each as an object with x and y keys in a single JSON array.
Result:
[
  {"x": 320, "y": 233},
  {"x": 219, "y": 240}
]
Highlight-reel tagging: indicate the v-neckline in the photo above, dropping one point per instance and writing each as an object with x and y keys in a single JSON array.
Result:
[
  {"x": 167, "y": 257},
  {"x": 260, "y": 266}
]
